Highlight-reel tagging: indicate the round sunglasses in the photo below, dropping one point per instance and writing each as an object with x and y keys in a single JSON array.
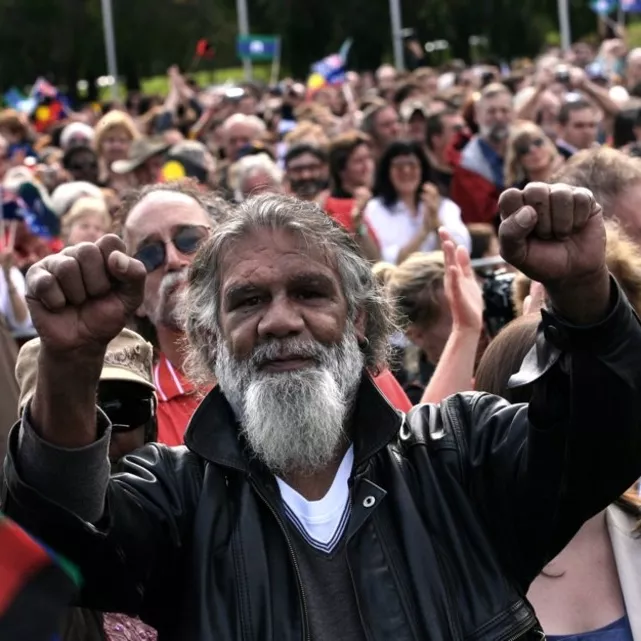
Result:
[{"x": 186, "y": 240}]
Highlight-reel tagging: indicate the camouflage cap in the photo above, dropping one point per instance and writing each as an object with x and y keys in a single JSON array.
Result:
[{"x": 128, "y": 358}]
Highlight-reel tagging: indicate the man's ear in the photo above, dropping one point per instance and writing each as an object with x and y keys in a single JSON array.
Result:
[
  {"x": 140, "y": 312},
  {"x": 360, "y": 324}
]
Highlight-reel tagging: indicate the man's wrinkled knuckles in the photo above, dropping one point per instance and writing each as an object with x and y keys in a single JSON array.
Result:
[
  {"x": 64, "y": 266},
  {"x": 87, "y": 251},
  {"x": 41, "y": 282}
]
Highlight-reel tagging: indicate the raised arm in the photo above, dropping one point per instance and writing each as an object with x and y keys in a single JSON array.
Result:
[
  {"x": 57, "y": 482},
  {"x": 455, "y": 368},
  {"x": 540, "y": 471}
]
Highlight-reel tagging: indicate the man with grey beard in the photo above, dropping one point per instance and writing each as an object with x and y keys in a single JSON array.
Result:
[
  {"x": 478, "y": 176},
  {"x": 163, "y": 225},
  {"x": 303, "y": 505}
]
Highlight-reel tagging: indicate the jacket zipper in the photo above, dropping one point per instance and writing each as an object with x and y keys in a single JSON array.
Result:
[{"x": 301, "y": 594}]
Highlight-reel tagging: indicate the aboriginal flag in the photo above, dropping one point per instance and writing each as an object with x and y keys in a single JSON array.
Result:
[{"x": 36, "y": 586}]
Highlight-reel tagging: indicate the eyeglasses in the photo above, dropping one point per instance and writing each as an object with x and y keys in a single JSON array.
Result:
[
  {"x": 186, "y": 240},
  {"x": 523, "y": 148},
  {"x": 128, "y": 413}
]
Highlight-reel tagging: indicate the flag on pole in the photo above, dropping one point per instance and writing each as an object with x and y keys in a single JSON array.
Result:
[
  {"x": 257, "y": 47},
  {"x": 204, "y": 49},
  {"x": 631, "y": 6},
  {"x": 603, "y": 7},
  {"x": 330, "y": 70}
]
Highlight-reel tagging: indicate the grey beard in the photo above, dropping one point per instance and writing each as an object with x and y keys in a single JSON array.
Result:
[
  {"x": 293, "y": 421},
  {"x": 496, "y": 133},
  {"x": 167, "y": 312}
]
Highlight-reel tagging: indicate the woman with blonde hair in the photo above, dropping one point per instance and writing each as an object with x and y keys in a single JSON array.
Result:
[
  {"x": 87, "y": 221},
  {"x": 115, "y": 132},
  {"x": 441, "y": 306},
  {"x": 531, "y": 156}
]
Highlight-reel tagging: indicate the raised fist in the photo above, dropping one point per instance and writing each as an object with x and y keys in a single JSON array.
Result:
[
  {"x": 81, "y": 298},
  {"x": 553, "y": 233}
]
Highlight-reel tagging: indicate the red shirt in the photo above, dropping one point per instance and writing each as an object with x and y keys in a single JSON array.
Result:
[
  {"x": 340, "y": 209},
  {"x": 177, "y": 399}
]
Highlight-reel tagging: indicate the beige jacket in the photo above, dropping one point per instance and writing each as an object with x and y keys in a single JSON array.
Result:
[{"x": 627, "y": 555}]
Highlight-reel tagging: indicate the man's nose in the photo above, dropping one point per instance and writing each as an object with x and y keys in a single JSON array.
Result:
[
  {"x": 175, "y": 260},
  {"x": 280, "y": 319}
]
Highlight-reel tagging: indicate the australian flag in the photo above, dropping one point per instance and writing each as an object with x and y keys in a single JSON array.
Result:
[
  {"x": 36, "y": 586},
  {"x": 26, "y": 204}
]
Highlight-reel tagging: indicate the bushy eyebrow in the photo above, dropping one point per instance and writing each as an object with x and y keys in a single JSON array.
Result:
[{"x": 237, "y": 292}]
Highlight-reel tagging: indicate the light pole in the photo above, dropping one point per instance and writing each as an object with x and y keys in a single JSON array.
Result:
[
  {"x": 564, "y": 24},
  {"x": 243, "y": 30},
  {"x": 397, "y": 35},
  {"x": 110, "y": 45}
]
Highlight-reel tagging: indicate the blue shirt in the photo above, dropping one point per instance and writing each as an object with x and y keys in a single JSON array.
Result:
[
  {"x": 617, "y": 631},
  {"x": 495, "y": 161}
]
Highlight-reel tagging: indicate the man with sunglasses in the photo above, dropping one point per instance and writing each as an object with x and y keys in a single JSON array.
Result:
[{"x": 163, "y": 226}]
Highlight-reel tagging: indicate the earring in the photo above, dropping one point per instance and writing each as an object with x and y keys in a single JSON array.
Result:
[{"x": 364, "y": 343}]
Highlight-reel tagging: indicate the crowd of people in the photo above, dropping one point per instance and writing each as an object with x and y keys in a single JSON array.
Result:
[{"x": 310, "y": 266}]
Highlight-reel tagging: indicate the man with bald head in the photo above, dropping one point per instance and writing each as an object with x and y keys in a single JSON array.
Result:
[{"x": 163, "y": 225}]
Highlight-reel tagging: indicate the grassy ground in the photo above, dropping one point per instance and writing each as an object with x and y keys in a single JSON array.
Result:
[{"x": 158, "y": 84}]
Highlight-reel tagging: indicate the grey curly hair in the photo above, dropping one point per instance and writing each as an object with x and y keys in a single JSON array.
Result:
[{"x": 201, "y": 301}]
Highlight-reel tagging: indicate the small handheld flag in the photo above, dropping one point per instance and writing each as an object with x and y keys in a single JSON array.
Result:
[{"x": 36, "y": 586}]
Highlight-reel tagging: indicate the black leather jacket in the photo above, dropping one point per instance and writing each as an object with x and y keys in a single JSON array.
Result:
[{"x": 456, "y": 508}]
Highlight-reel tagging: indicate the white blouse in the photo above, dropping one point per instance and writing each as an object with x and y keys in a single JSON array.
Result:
[
  {"x": 6, "y": 309},
  {"x": 395, "y": 226}
]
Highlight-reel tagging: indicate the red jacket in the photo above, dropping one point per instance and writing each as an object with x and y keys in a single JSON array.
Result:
[{"x": 473, "y": 188}]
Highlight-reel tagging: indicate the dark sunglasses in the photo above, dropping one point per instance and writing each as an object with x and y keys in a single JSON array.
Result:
[
  {"x": 186, "y": 240},
  {"x": 523, "y": 148},
  {"x": 128, "y": 413}
]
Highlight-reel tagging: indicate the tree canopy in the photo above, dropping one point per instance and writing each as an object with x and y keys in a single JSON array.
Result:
[{"x": 63, "y": 39}]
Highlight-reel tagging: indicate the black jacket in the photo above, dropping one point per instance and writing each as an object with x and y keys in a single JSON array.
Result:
[{"x": 455, "y": 509}]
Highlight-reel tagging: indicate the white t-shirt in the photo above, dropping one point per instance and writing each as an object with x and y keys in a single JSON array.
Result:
[
  {"x": 322, "y": 522},
  {"x": 6, "y": 309},
  {"x": 395, "y": 226}
]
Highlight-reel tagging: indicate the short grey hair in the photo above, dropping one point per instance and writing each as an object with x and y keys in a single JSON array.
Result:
[
  {"x": 211, "y": 203},
  {"x": 243, "y": 119},
  {"x": 201, "y": 303},
  {"x": 250, "y": 166}
]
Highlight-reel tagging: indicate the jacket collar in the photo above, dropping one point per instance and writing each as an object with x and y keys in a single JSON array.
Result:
[{"x": 213, "y": 431}]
